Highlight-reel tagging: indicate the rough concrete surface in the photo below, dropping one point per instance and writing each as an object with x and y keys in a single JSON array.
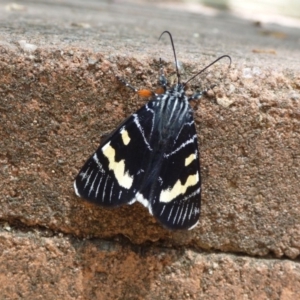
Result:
[
  {"x": 58, "y": 95},
  {"x": 39, "y": 267}
]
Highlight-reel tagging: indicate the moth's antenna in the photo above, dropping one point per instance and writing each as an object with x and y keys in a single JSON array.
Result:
[
  {"x": 221, "y": 57},
  {"x": 172, "y": 43}
]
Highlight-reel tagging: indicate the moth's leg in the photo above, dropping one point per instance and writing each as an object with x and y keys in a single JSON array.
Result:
[
  {"x": 198, "y": 95},
  {"x": 127, "y": 84},
  {"x": 143, "y": 92},
  {"x": 162, "y": 80}
]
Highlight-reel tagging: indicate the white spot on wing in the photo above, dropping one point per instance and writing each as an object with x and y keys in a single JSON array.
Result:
[
  {"x": 132, "y": 201},
  {"x": 96, "y": 160},
  {"x": 97, "y": 190},
  {"x": 104, "y": 188},
  {"x": 194, "y": 225},
  {"x": 84, "y": 174},
  {"x": 184, "y": 216},
  {"x": 191, "y": 195},
  {"x": 160, "y": 180},
  {"x": 189, "y": 141},
  {"x": 191, "y": 211},
  {"x": 139, "y": 172},
  {"x": 75, "y": 188},
  {"x": 176, "y": 214},
  {"x": 179, "y": 218},
  {"x": 186, "y": 124},
  {"x": 196, "y": 211},
  {"x": 140, "y": 198},
  {"x": 111, "y": 189},
  {"x": 170, "y": 213},
  {"x": 137, "y": 122},
  {"x": 88, "y": 179},
  {"x": 174, "y": 104},
  {"x": 92, "y": 185},
  {"x": 162, "y": 211},
  {"x": 152, "y": 111}
]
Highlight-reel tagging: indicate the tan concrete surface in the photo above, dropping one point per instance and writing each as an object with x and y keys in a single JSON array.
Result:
[
  {"x": 35, "y": 266},
  {"x": 58, "y": 95}
]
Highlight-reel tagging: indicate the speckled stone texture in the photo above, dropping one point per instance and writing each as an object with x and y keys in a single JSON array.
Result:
[
  {"x": 34, "y": 266},
  {"x": 58, "y": 95}
]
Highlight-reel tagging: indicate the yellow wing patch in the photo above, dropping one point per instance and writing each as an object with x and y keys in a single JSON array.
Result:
[
  {"x": 168, "y": 195},
  {"x": 124, "y": 179},
  {"x": 125, "y": 136},
  {"x": 189, "y": 159}
]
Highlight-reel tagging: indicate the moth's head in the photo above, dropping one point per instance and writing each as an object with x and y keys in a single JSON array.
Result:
[{"x": 178, "y": 90}]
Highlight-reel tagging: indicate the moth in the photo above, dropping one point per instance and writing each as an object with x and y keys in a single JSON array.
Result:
[{"x": 152, "y": 157}]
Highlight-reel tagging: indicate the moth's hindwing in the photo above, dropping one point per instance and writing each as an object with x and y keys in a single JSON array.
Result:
[
  {"x": 174, "y": 195},
  {"x": 111, "y": 175}
]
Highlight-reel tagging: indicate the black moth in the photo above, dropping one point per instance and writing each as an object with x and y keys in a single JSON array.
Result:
[{"x": 152, "y": 158}]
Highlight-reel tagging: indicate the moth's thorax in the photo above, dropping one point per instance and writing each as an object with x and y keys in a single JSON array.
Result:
[
  {"x": 171, "y": 112},
  {"x": 177, "y": 91}
]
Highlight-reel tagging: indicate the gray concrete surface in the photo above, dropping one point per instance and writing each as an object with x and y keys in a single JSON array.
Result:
[{"x": 115, "y": 24}]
